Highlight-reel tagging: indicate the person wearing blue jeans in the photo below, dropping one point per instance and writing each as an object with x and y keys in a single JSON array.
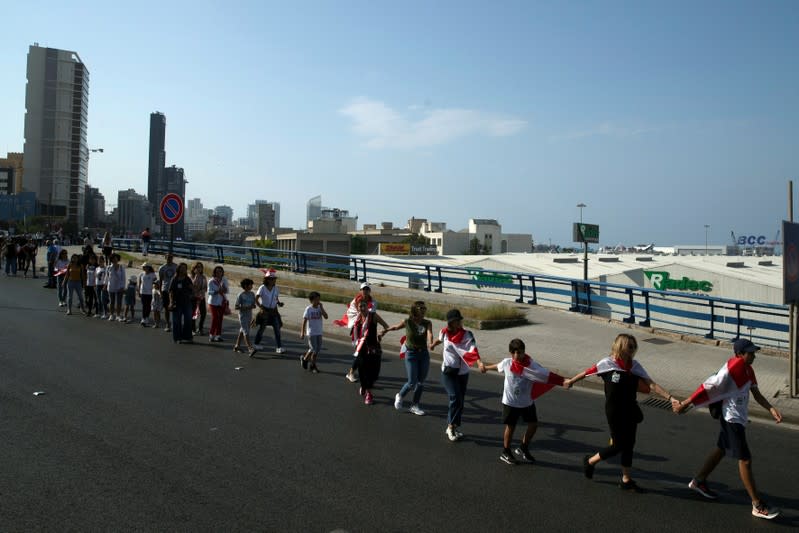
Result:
[
  {"x": 418, "y": 336},
  {"x": 460, "y": 351}
]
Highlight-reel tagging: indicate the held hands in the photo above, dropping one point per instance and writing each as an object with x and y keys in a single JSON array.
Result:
[
  {"x": 567, "y": 383},
  {"x": 677, "y": 406},
  {"x": 776, "y": 414},
  {"x": 481, "y": 366}
]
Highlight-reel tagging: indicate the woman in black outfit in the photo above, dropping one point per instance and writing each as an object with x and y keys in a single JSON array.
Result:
[
  {"x": 367, "y": 347},
  {"x": 181, "y": 304},
  {"x": 623, "y": 378}
]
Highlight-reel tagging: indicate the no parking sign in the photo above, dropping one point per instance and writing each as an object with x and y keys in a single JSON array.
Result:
[{"x": 171, "y": 208}]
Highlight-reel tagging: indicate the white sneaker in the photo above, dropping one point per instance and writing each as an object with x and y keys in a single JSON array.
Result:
[
  {"x": 451, "y": 434},
  {"x": 69, "y": 311},
  {"x": 397, "y": 402},
  {"x": 112, "y": 318},
  {"x": 121, "y": 319},
  {"x": 278, "y": 350},
  {"x": 415, "y": 409}
]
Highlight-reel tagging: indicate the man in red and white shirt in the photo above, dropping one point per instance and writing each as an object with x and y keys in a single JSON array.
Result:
[{"x": 731, "y": 386}]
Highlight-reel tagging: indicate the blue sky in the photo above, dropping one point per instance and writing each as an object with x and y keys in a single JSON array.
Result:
[{"x": 660, "y": 116}]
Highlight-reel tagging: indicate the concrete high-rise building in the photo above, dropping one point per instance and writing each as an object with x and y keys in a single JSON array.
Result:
[
  {"x": 56, "y": 117},
  {"x": 157, "y": 160},
  {"x": 133, "y": 211},
  {"x": 13, "y": 164},
  {"x": 313, "y": 210},
  {"x": 225, "y": 212},
  {"x": 95, "y": 207},
  {"x": 253, "y": 211}
]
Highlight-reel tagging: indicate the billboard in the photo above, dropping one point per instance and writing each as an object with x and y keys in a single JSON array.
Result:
[{"x": 585, "y": 232}]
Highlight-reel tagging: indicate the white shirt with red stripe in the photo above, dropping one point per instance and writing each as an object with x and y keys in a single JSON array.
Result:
[
  {"x": 731, "y": 385},
  {"x": 525, "y": 381}
]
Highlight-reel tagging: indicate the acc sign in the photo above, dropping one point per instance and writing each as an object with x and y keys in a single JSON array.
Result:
[{"x": 171, "y": 208}]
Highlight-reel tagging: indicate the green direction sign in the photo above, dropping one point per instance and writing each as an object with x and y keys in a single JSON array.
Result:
[{"x": 585, "y": 232}]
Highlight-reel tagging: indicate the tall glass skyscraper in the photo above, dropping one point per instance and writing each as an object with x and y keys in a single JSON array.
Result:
[
  {"x": 56, "y": 118},
  {"x": 157, "y": 162}
]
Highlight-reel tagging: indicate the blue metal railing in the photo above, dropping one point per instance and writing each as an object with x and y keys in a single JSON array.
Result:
[{"x": 690, "y": 313}]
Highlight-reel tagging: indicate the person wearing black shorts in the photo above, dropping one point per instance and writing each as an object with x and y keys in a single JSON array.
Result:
[
  {"x": 731, "y": 386},
  {"x": 521, "y": 372}
]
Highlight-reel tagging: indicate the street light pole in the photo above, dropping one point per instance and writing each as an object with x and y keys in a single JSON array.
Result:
[
  {"x": 585, "y": 243},
  {"x": 707, "y": 227}
]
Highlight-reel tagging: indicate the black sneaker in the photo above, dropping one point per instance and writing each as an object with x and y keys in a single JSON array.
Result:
[
  {"x": 588, "y": 468},
  {"x": 314, "y": 369},
  {"x": 524, "y": 452},
  {"x": 303, "y": 362},
  {"x": 507, "y": 457},
  {"x": 631, "y": 486}
]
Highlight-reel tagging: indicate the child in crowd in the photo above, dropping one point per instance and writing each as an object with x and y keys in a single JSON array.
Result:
[
  {"x": 157, "y": 305},
  {"x": 144, "y": 289},
  {"x": 524, "y": 381},
  {"x": 101, "y": 289},
  {"x": 130, "y": 300},
  {"x": 60, "y": 274},
  {"x": 245, "y": 303},
  {"x": 91, "y": 284},
  {"x": 312, "y": 325}
]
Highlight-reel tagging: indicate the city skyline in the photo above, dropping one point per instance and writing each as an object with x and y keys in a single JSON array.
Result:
[{"x": 661, "y": 119}]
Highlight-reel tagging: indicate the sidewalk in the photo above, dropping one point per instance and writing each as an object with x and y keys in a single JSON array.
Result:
[{"x": 565, "y": 342}]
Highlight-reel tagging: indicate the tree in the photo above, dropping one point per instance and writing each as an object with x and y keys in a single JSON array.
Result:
[
  {"x": 263, "y": 243},
  {"x": 357, "y": 244}
]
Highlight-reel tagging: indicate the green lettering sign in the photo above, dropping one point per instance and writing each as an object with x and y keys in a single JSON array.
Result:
[{"x": 663, "y": 281}]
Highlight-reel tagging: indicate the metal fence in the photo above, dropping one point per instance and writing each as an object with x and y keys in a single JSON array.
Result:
[{"x": 689, "y": 313}]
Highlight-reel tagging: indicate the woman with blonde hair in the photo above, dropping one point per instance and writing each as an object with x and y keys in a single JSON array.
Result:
[{"x": 624, "y": 378}]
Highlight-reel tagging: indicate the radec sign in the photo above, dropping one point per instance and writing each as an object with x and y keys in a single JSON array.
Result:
[{"x": 663, "y": 281}]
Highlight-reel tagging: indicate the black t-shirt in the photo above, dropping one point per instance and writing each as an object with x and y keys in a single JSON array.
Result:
[
  {"x": 621, "y": 389},
  {"x": 181, "y": 292}
]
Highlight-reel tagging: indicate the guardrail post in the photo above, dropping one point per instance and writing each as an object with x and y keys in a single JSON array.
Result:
[
  {"x": 429, "y": 279},
  {"x": 575, "y": 298},
  {"x": 256, "y": 258},
  {"x": 709, "y": 335},
  {"x": 646, "y": 322},
  {"x": 738, "y": 321},
  {"x": 220, "y": 255},
  {"x": 193, "y": 251},
  {"x": 534, "y": 300},
  {"x": 630, "y": 319},
  {"x": 363, "y": 266},
  {"x": 304, "y": 263},
  {"x": 440, "y": 288},
  {"x": 354, "y": 266},
  {"x": 520, "y": 299},
  {"x": 588, "y": 309}
]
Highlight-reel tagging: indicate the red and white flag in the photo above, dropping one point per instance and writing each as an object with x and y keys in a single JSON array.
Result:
[
  {"x": 543, "y": 380},
  {"x": 60, "y": 272},
  {"x": 403, "y": 348},
  {"x": 349, "y": 317},
  {"x": 613, "y": 364},
  {"x": 461, "y": 344},
  {"x": 732, "y": 379}
]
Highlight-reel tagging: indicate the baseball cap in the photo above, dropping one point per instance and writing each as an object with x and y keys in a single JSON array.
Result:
[
  {"x": 365, "y": 285},
  {"x": 454, "y": 314},
  {"x": 744, "y": 346}
]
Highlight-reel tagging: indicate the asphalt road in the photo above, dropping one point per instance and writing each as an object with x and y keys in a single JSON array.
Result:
[{"x": 136, "y": 433}]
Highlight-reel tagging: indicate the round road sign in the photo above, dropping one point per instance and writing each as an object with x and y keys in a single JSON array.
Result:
[{"x": 171, "y": 208}]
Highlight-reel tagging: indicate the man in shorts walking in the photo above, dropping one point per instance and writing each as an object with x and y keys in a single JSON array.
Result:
[{"x": 731, "y": 386}]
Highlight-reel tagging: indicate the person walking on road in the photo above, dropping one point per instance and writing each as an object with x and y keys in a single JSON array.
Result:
[
  {"x": 730, "y": 387},
  {"x": 76, "y": 279},
  {"x": 181, "y": 302},
  {"x": 245, "y": 303},
  {"x": 624, "y": 378},
  {"x": 268, "y": 300},
  {"x": 199, "y": 284},
  {"x": 312, "y": 325},
  {"x": 459, "y": 353},
  {"x": 417, "y": 340},
  {"x": 217, "y": 299},
  {"x": 165, "y": 275},
  {"x": 351, "y": 315},
  {"x": 107, "y": 247},
  {"x": 115, "y": 277},
  {"x": 525, "y": 380},
  {"x": 60, "y": 275},
  {"x": 367, "y": 349}
]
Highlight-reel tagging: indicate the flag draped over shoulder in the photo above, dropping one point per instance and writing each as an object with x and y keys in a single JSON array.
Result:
[
  {"x": 461, "y": 344},
  {"x": 350, "y": 315},
  {"x": 543, "y": 380},
  {"x": 403, "y": 348},
  {"x": 613, "y": 364},
  {"x": 731, "y": 380}
]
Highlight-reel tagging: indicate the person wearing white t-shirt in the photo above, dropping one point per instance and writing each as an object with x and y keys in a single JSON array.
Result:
[
  {"x": 268, "y": 300},
  {"x": 731, "y": 386},
  {"x": 145, "y": 292},
  {"x": 521, "y": 372},
  {"x": 312, "y": 323}
]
